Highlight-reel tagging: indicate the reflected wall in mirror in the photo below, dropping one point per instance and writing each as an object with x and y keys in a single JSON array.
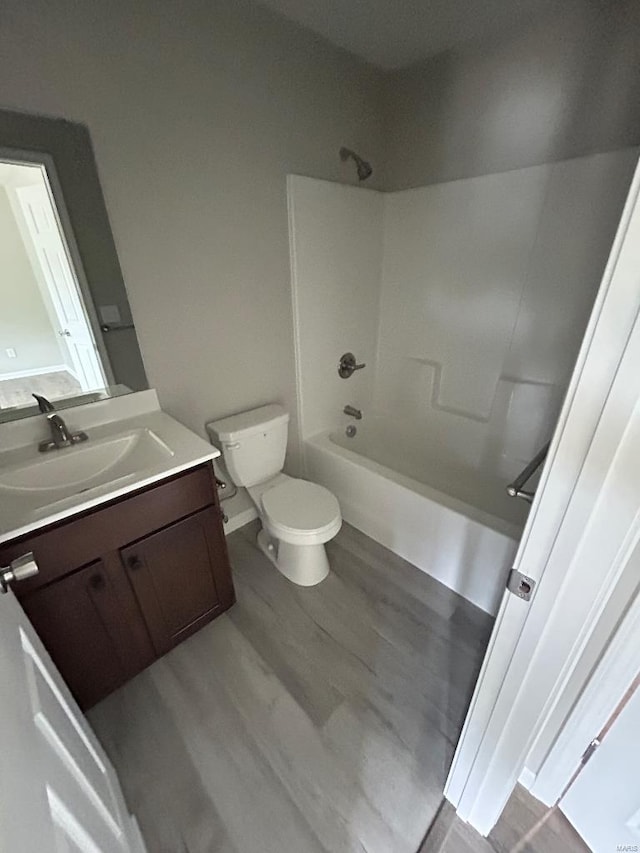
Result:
[{"x": 66, "y": 330}]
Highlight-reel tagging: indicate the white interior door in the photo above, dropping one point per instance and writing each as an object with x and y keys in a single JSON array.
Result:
[
  {"x": 59, "y": 279},
  {"x": 58, "y": 791},
  {"x": 603, "y": 804},
  {"x": 574, "y": 546}
]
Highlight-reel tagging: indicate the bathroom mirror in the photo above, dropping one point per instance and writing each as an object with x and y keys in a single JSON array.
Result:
[{"x": 66, "y": 330}]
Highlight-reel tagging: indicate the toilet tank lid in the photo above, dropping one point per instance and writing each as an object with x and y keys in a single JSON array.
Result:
[{"x": 245, "y": 423}]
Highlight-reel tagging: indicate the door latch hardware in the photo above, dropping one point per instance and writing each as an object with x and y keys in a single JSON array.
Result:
[
  {"x": 19, "y": 569},
  {"x": 595, "y": 743},
  {"x": 520, "y": 585}
]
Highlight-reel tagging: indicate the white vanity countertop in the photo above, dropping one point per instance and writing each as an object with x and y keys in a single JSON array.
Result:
[{"x": 176, "y": 449}]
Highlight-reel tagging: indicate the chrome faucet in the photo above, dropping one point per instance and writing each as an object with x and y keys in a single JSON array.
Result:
[
  {"x": 61, "y": 436},
  {"x": 43, "y": 404},
  {"x": 353, "y": 412}
]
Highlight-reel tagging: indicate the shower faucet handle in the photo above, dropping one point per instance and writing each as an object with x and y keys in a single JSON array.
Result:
[{"x": 347, "y": 365}]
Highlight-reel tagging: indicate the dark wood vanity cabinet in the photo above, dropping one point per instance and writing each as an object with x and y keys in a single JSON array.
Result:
[
  {"x": 174, "y": 604},
  {"x": 120, "y": 585},
  {"x": 79, "y": 621}
]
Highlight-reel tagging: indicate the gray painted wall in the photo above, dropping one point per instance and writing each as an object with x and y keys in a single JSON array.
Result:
[
  {"x": 24, "y": 323},
  {"x": 197, "y": 111},
  {"x": 565, "y": 86}
]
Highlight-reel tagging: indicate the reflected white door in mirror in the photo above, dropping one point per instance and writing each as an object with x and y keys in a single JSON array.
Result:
[
  {"x": 47, "y": 343},
  {"x": 57, "y": 275}
]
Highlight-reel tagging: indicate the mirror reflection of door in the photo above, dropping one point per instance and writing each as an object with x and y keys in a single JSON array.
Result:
[{"x": 47, "y": 344}]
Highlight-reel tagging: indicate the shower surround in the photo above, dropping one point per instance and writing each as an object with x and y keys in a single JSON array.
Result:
[{"x": 468, "y": 301}]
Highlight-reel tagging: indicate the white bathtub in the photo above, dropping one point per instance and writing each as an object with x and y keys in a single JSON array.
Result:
[{"x": 450, "y": 521}]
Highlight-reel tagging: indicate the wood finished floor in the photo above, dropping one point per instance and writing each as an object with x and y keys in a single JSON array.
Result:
[
  {"x": 521, "y": 816},
  {"x": 18, "y": 392},
  {"x": 303, "y": 720}
]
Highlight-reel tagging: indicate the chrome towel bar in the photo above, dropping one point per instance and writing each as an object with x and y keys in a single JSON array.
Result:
[
  {"x": 515, "y": 489},
  {"x": 110, "y": 327}
]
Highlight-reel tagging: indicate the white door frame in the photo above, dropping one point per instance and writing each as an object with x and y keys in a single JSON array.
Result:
[
  {"x": 514, "y": 697},
  {"x": 598, "y": 702},
  {"x": 13, "y": 155}
]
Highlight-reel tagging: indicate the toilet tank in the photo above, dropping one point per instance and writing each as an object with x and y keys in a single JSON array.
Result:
[{"x": 253, "y": 443}]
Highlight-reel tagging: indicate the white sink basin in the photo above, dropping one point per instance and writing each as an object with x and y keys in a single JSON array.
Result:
[
  {"x": 57, "y": 474},
  {"x": 132, "y": 444}
]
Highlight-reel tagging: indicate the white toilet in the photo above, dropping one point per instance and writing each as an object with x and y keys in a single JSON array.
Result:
[{"x": 297, "y": 517}]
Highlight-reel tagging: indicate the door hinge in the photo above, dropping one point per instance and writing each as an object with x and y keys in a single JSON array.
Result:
[
  {"x": 586, "y": 755},
  {"x": 520, "y": 585}
]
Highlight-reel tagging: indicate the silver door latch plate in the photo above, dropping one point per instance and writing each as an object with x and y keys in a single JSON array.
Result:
[{"x": 520, "y": 585}]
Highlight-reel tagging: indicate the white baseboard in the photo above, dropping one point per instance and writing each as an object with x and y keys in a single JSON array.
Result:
[
  {"x": 36, "y": 371},
  {"x": 137, "y": 837},
  {"x": 527, "y": 778},
  {"x": 240, "y": 519}
]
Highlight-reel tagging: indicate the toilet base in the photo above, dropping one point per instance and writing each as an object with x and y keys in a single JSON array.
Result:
[{"x": 305, "y": 565}]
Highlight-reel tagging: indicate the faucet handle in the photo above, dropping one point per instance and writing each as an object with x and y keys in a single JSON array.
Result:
[{"x": 347, "y": 365}]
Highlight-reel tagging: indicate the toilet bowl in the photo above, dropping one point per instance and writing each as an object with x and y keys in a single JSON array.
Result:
[{"x": 298, "y": 517}]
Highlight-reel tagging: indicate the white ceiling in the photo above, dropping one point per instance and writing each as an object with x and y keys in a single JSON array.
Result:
[{"x": 397, "y": 33}]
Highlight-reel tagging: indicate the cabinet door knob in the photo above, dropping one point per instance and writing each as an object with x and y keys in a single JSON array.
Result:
[
  {"x": 97, "y": 582},
  {"x": 134, "y": 562}
]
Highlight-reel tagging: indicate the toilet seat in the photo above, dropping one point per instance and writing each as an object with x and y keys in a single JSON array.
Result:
[{"x": 300, "y": 511}]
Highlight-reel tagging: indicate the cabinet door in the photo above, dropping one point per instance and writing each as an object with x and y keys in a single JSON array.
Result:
[
  {"x": 80, "y": 621},
  {"x": 181, "y": 577}
]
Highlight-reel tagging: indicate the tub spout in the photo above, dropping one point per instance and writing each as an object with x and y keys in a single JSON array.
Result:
[{"x": 353, "y": 412}]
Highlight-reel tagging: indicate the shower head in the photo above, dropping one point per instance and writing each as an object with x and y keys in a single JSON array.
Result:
[{"x": 364, "y": 169}]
